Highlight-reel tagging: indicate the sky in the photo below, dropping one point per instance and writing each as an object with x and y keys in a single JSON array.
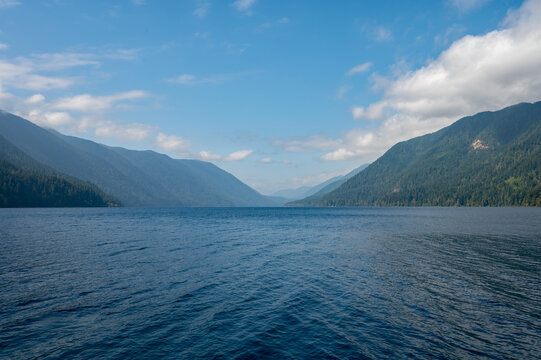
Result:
[{"x": 280, "y": 93}]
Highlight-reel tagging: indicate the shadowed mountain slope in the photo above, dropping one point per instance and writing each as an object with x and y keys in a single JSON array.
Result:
[
  {"x": 136, "y": 178},
  {"x": 25, "y": 182}
]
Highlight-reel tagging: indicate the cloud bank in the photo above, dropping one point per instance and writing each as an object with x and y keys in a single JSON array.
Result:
[{"x": 476, "y": 73}]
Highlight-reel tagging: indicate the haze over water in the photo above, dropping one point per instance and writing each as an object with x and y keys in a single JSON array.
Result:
[{"x": 270, "y": 283}]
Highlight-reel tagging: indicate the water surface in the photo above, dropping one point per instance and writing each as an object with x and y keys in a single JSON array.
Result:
[{"x": 368, "y": 283}]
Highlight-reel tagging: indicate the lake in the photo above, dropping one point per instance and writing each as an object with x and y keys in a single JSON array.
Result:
[{"x": 276, "y": 283}]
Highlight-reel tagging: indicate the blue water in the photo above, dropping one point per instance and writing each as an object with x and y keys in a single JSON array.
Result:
[{"x": 397, "y": 283}]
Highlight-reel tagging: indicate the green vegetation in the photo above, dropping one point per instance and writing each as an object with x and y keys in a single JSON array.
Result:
[
  {"x": 26, "y": 188},
  {"x": 489, "y": 159},
  {"x": 24, "y": 182},
  {"x": 136, "y": 178}
]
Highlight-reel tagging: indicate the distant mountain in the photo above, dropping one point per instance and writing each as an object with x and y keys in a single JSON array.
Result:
[
  {"x": 136, "y": 178},
  {"x": 489, "y": 159},
  {"x": 319, "y": 189},
  {"x": 27, "y": 183}
]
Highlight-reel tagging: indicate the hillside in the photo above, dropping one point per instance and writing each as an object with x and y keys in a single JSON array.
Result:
[
  {"x": 136, "y": 178},
  {"x": 319, "y": 189},
  {"x": 489, "y": 159},
  {"x": 27, "y": 183}
]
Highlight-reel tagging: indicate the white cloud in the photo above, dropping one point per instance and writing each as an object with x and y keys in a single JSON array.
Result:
[
  {"x": 188, "y": 79},
  {"x": 90, "y": 103},
  {"x": 244, "y": 5},
  {"x": 22, "y": 72},
  {"x": 382, "y": 34},
  {"x": 266, "y": 160},
  {"x": 173, "y": 143},
  {"x": 49, "y": 119},
  {"x": 185, "y": 79},
  {"x": 465, "y": 6},
  {"x": 3, "y": 46},
  {"x": 202, "y": 8},
  {"x": 343, "y": 90},
  {"x": 359, "y": 68},
  {"x": 38, "y": 111},
  {"x": 133, "y": 131},
  {"x": 191, "y": 79},
  {"x": 9, "y": 3},
  {"x": 271, "y": 24},
  {"x": 476, "y": 73},
  {"x": 209, "y": 156},
  {"x": 35, "y": 99},
  {"x": 138, "y": 2},
  {"x": 20, "y": 76},
  {"x": 238, "y": 155},
  {"x": 309, "y": 143},
  {"x": 235, "y": 156},
  {"x": 57, "y": 61}
]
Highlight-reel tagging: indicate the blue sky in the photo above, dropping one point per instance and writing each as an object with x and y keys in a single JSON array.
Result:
[{"x": 280, "y": 93}]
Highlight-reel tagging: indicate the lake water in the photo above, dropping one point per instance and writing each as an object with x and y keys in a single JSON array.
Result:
[{"x": 368, "y": 283}]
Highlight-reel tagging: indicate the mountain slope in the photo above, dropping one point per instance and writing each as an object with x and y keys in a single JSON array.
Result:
[
  {"x": 136, "y": 178},
  {"x": 27, "y": 183},
  {"x": 489, "y": 159},
  {"x": 319, "y": 189},
  {"x": 339, "y": 180}
]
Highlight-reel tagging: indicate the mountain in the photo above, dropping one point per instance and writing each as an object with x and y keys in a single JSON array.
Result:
[
  {"x": 319, "y": 189},
  {"x": 489, "y": 159},
  {"x": 27, "y": 183},
  {"x": 136, "y": 178}
]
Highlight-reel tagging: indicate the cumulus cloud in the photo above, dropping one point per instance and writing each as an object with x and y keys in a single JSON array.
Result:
[
  {"x": 234, "y": 156},
  {"x": 476, "y": 73},
  {"x": 359, "y": 68},
  {"x": 49, "y": 118},
  {"x": 90, "y": 103},
  {"x": 59, "y": 114},
  {"x": 172, "y": 143},
  {"x": 35, "y": 99},
  {"x": 209, "y": 156},
  {"x": 238, "y": 155}
]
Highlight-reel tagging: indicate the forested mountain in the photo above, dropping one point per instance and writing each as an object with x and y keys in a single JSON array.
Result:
[
  {"x": 26, "y": 183},
  {"x": 136, "y": 178},
  {"x": 319, "y": 189},
  {"x": 489, "y": 159}
]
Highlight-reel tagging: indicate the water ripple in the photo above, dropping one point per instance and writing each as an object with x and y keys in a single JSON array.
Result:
[{"x": 270, "y": 283}]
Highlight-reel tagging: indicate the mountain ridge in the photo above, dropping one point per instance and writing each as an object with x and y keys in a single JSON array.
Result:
[
  {"x": 318, "y": 189},
  {"x": 492, "y": 158},
  {"x": 136, "y": 178},
  {"x": 24, "y": 182}
]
